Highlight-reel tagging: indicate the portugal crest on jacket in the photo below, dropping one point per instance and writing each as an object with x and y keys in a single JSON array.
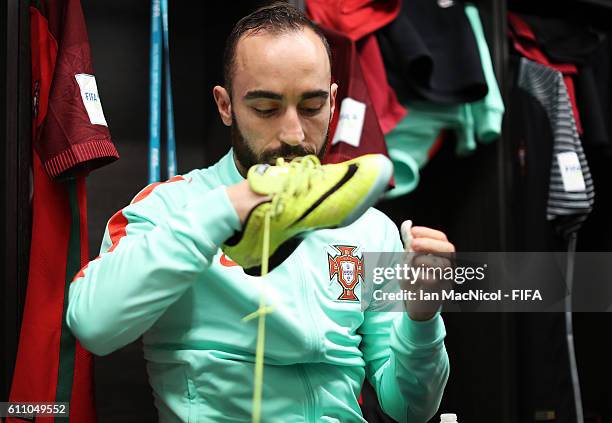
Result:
[{"x": 347, "y": 269}]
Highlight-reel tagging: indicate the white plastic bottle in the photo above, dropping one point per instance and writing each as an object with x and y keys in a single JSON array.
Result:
[{"x": 448, "y": 418}]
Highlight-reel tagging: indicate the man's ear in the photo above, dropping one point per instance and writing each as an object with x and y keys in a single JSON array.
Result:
[
  {"x": 224, "y": 104},
  {"x": 332, "y": 97}
]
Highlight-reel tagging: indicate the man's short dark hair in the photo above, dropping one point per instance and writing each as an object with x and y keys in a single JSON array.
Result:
[{"x": 276, "y": 18}]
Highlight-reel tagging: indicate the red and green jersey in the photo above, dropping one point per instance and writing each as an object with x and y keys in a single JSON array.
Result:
[{"x": 70, "y": 137}]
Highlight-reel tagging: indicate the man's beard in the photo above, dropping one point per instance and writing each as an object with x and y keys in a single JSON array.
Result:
[{"x": 247, "y": 157}]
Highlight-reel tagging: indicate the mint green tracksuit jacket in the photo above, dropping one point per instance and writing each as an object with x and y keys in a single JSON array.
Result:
[{"x": 161, "y": 275}]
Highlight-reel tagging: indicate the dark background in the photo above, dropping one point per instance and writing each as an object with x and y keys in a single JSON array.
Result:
[{"x": 492, "y": 361}]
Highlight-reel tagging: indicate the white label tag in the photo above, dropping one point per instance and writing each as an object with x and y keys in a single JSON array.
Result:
[
  {"x": 444, "y": 4},
  {"x": 350, "y": 123},
  {"x": 571, "y": 172},
  {"x": 91, "y": 99}
]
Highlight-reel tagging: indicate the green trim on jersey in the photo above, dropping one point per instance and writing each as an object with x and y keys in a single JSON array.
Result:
[{"x": 67, "y": 351}]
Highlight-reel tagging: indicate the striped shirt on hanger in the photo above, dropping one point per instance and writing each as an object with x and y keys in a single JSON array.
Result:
[{"x": 568, "y": 208}]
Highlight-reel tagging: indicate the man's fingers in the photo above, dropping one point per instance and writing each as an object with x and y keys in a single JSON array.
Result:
[
  {"x": 431, "y": 261},
  {"x": 406, "y": 232},
  {"x": 430, "y": 245},
  {"x": 425, "y": 232}
]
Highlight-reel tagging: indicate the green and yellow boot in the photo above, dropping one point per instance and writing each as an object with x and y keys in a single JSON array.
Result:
[{"x": 305, "y": 196}]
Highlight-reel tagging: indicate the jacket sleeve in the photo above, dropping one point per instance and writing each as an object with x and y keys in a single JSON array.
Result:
[
  {"x": 406, "y": 361},
  {"x": 152, "y": 252},
  {"x": 407, "y": 364}
]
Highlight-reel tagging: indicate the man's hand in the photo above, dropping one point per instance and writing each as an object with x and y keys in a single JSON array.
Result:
[
  {"x": 244, "y": 199},
  {"x": 424, "y": 243}
]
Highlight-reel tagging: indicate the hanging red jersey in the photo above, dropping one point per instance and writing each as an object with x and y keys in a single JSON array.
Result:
[
  {"x": 346, "y": 69},
  {"x": 70, "y": 137},
  {"x": 357, "y": 20}
]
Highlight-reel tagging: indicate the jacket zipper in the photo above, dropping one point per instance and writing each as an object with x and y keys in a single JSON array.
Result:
[
  {"x": 314, "y": 342},
  {"x": 309, "y": 394},
  {"x": 313, "y": 332}
]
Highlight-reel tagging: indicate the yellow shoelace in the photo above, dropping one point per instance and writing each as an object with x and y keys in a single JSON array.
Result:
[
  {"x": 303, "y": 170},
  {"x": 260, "y": 313},
  {"x": 299, "y": 182}
]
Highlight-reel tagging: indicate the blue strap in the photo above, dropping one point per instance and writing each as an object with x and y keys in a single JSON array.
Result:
[
  {"x": 170, "y": 144},
  {"x": 155, "y": 94},
  {"x": 159, "y": 29}
]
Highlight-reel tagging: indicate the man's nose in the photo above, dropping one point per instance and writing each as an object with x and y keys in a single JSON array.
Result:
[{"x": 291, "y": 130}]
